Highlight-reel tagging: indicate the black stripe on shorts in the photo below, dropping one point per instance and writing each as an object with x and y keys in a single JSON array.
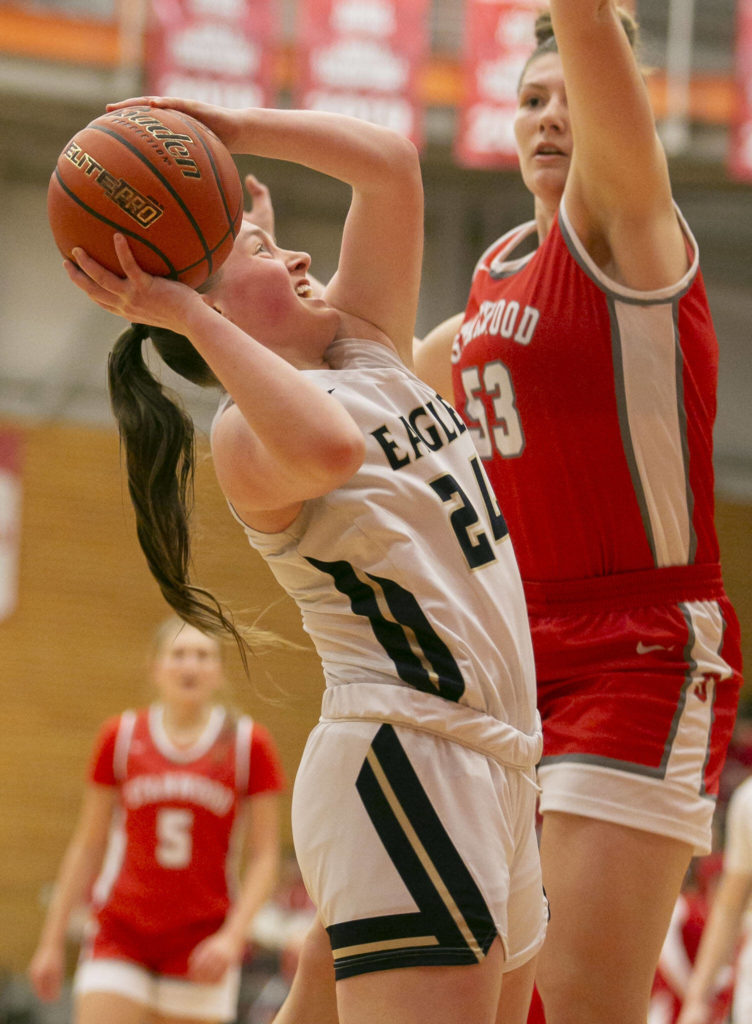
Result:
[{"x": 453, "y": 924}]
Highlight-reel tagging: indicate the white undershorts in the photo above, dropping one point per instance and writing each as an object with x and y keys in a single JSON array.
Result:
[{"x": 176, "y": 997}]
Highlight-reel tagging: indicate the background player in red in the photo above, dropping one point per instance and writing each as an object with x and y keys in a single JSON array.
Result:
[
  {"x": 585, "y": 364},
  {"x": 176, "y": 791}
]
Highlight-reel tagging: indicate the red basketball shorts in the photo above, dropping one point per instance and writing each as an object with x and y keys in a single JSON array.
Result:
[{"x": 638, "y": 705}]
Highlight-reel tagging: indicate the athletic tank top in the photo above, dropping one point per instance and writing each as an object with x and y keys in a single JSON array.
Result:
[
  {"x": 405, "y": 575},
  {"x": 592, "y": 407}
]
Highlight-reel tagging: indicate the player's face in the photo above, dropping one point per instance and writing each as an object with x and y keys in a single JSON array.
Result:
[
  {"x": 188, "y": 668},
  {"x": 265, "y": 291},
  {"x": 542, "y": 129}
]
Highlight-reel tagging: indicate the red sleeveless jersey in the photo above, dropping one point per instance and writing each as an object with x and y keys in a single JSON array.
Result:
[
  {"x": 169, "y": 859},
  {"x": 592, "y": 406}
]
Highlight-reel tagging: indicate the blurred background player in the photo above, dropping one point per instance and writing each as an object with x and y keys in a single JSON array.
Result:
[
  {"x": 681, "y": 944},
  {"x": 177, "y": 792}
]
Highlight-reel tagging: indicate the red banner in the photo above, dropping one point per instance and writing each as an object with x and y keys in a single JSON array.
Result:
[
  {"x": 363, "y": 58},
  {"x": 740, "y": 150},
  {"x": 10, "y": 520},
  {"x": 499, "y": 37},
  {"x": 220, "y": 51}
]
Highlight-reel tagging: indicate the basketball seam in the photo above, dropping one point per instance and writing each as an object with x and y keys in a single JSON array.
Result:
[
  {"x": 219, "y": 244},
  {"x": 117, "y": 227},
  {"x": 160, "y": 177},
  {"x": 187, "y": 121}
]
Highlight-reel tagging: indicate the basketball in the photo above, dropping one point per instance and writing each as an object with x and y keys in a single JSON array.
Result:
[{"x": 159, "y": 177}]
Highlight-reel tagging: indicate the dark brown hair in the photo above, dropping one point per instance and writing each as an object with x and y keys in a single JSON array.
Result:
[
  {"x": 158, "y": 440},
  {"x": 545, "y": 41}
]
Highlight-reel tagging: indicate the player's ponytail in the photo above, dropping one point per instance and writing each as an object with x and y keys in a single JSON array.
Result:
[{"x": 158, "y": 438}]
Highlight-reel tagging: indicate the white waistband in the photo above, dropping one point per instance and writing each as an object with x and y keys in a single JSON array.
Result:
[{"x": 401, "y": 705}]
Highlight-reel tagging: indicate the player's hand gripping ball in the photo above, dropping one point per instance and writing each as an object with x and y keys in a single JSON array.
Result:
[{"x": 159, "y": 177}]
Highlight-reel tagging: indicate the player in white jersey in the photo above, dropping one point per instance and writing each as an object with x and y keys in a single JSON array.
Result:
[{"x": 413, "y": 810}]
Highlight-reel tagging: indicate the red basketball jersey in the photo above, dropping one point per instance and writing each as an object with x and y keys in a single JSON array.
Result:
[
  {"x": 592, "y": 406},
  {"x": 169, "y": 860}
]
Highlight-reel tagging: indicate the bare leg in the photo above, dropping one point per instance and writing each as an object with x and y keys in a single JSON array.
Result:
[
  {"x": 312, "y": 999},
  {"x": 516, "y": 993},
  {"x": 612, "y": 890},
  {"x": 160, "y": 1018},
  {"x": 96, "y": 1007},
  {"x": 414, "y": 995}
]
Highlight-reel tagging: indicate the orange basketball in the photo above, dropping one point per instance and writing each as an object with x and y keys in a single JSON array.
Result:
[{"x": 159, "y": 177}]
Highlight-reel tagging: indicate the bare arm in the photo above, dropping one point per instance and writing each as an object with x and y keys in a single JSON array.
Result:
[
  {"x": 674, "y": 962},
  {"x": 211, "y": 958},
  {"x": 378, "y": 276},
  {"x": 80, "y": 866},
  {"x": 432, "y": 356},
  {"x": 717, "y": 944},
  {"x": 618, "y": 192},
  {"x": 265, "y": 472}
]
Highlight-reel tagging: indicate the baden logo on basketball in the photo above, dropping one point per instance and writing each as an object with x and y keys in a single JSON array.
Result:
[
  {"x": 175, "y": 144},
  {"x": 157, "y": 176}
]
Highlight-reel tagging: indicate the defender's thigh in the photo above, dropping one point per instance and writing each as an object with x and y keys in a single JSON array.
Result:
[
  {"x": 612, "y": 890},
  {"x": 119, "y": 979}
]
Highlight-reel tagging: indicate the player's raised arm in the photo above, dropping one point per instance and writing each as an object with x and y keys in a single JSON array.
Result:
[
  {"x": 378, "y": 276},
  {"x": 618, "y": 192}
]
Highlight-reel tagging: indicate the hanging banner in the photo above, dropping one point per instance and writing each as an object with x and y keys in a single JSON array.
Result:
[
  {"x": 740, "y": 147},
  {"x": 499, "y": 37},
  {"x": 220, "y": 51},
  {"x": 363, "y": 58},
  {"x": 10, "y": 520}
]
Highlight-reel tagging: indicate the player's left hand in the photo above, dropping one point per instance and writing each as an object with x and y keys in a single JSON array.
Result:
[{"x": 136, "y": 296}]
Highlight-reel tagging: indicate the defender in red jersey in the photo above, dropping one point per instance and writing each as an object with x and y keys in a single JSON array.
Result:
[
  {"x": 174, "y": 790},
  {"x": 585, "y": 365}
]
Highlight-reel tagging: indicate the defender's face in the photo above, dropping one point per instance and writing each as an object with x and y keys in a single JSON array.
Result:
[{"x": 542, "y": 128}]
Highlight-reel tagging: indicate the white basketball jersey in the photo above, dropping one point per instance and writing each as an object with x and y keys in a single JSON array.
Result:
[{"x": 406, "y": 574}]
